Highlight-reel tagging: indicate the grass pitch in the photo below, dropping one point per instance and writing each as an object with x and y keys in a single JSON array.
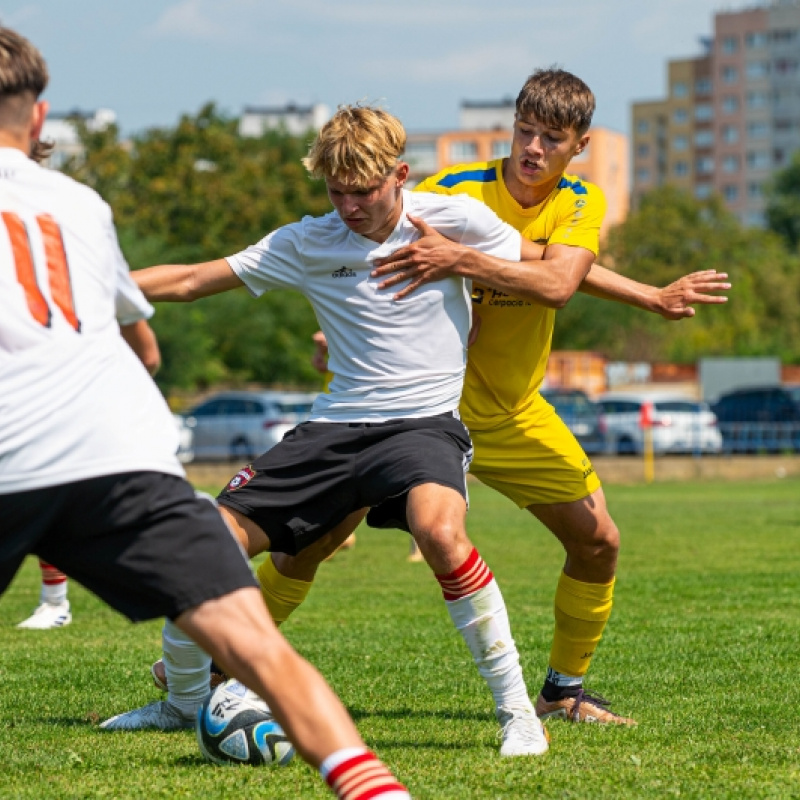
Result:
[{"x": 702, "y": 650}]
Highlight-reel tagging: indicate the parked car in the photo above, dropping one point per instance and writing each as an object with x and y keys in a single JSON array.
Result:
[
  {"x": 240, "y": 425},
  {"x": 680, "y": 424},
  {"x": 185, "y": 439},
  {"x": 760, "y": 419},
  {"x": 583, "y": 417}
]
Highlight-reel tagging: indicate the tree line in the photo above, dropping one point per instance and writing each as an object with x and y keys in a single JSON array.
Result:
[{"x": 198, "y": 191}]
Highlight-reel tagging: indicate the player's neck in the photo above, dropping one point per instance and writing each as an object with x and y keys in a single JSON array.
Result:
[
  {"x": 527, "y": 195},
  {"x": 15, "y": 140}
]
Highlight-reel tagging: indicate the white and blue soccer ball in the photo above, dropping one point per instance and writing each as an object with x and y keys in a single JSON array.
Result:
[{"x": 235, "y": 726}]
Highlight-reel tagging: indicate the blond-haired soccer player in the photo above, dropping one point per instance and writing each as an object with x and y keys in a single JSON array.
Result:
[
  {"x": 89, "y": 480},
  {"x": 522, "y": 448},
  {"x": 386, "y": 435}
]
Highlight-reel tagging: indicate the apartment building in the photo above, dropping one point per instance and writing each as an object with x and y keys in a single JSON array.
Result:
[
  {"x": 291, "y": 118},
  {"x": 485, "y": 134},
  {"x": 62, "y": 130},
  {"x": 731, "y": 116}
]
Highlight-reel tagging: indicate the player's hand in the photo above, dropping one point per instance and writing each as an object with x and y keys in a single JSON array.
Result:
[
  {"x": 676, "y": 300},
  {"x": 430, "y": 258}
]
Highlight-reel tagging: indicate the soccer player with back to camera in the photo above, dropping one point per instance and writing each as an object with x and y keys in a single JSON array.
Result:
[
  {"x": 522, "y": 448},
  {"x": 89, "y": 480},
  {"x": 386, "y": 435}
]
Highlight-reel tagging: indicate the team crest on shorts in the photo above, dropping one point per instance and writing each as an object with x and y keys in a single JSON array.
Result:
[{"x": 241, "y": 478}]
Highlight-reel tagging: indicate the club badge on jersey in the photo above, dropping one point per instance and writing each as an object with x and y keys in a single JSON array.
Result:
[{"x": 241, "y": 478}]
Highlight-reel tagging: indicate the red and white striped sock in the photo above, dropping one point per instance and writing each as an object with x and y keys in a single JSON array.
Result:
[
  {"x": 54, "y": 584},
  {"x": 478, "y": 611},
  {"x": 356, "y": 773}
]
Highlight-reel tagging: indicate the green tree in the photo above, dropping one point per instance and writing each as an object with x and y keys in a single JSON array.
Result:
[
  {"x": 196, "y": 192},
  {"x": 783, "y": 202},
  {"x": 672, "y": 234}
]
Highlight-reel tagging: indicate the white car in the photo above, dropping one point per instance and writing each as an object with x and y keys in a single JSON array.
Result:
[
  {"x": 240, "y": 425},
  {"x": 680, "y": 424},
  {"x": 185, "y": 439}
]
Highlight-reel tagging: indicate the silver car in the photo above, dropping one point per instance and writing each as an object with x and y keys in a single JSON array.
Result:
[
  {"x": 240, "y": 425},
  {"x": 680, "y": 424}
]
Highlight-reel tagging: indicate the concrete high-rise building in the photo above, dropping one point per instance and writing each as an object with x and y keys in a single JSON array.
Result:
[{"x": 731, "y": 116}]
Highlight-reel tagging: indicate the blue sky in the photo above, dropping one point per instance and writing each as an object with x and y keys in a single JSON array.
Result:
[{"x": 151, "y": 61}]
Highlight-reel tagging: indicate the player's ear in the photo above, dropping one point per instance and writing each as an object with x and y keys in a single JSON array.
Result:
[
  {"x": 583, "y": 143},
  {"x": 401, "y": 173},
  {"x": 38, "y": 115}
]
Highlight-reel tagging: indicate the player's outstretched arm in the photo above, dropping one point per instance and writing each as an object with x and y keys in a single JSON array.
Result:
[
  {"x": 548, "y": 277},
  {"x": 674, "y": 301},
  {"x": 182, "y": 283}
]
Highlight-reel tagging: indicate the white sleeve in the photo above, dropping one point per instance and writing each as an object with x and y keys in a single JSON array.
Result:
[
  {"x": 276, "y": 262},
  {"x": 131, "y": 304},
  {"x": 485, "y": 231}
]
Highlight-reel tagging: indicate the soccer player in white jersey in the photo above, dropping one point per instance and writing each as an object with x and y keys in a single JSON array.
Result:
[
  {"x": 89, "y": 479},
  {"x": 386, "y": 435}
]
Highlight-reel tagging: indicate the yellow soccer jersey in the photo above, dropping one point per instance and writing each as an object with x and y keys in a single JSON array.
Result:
[{"x": 506, "y": 365}]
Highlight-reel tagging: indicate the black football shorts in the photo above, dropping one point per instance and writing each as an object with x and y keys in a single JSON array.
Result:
[
  {"x": 323, "y": 471},
  {"x": 141, "y": 541}
]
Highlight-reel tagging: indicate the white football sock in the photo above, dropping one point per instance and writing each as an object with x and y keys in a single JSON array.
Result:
[
  {"x": 187, "y": 668},
  {"x": 482, "y": 620},
  {"x": 53, "y": 593}
]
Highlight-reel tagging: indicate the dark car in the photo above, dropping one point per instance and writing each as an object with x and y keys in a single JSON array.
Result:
[
  {"x": 583, "y": 417},
  {"x": 759, "y": 419}
]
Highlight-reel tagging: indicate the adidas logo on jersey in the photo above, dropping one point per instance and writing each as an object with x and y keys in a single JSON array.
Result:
[{"x": 343, "y": 272}]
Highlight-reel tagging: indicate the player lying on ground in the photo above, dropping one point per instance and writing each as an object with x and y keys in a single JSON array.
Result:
[
  {"x": 387, "y": 434},
  {"x": 89, "y": 480},
  {"x": 522, "y": 448}
]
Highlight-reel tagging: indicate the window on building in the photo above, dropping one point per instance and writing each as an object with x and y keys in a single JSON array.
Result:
[
  {"x": 704, "y": 165},
  {"x": 642, "y": 150},
  {"x": 730, "y": 164},
  {"x": 786, "y": 66},
  {"x": 779, "y": 157},
  {"x": 680, "y": 142},
  {"x": 680, "y": 169},
  {"x": 757, "y": 130},
  {"x": 730, "y": 44},
  {"x": 702, "y": 86},
  {"x": 730, "y": 192},
  {"x": 730, "y": 134},
  {"x": 757, "y": 69},
  {"x": 680, "y": 116},
  {"x": 680, "y": 89},
  {"x": 703, "y": 112},
  {"x": 755, "y": 40},
  {"x": 643, "y": 126},
  {"x": 643, "y": 175},
  {"x": 757, "y": 99},
  {"x": 730, "y": 74},
  {"x": 703, "y": 191},
  {"x": 758, "y": 159},
  {"x": 783, "y": 36},
  {"x": 704, "y": 139},
  {"x": 755, "y": 190},
  {"x": 501, "y": 148},
  {"x": 463, "y": 151},
  {"x": 755, "y": 219},
  {"x": 422, "y": 156},
  {"x": 730, "y": 103}
]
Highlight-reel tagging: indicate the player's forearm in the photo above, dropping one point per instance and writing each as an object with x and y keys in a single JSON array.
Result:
[
  {"x": 546, "y": 282},
  {"x": 142, "y": 340},
  {"x": 182, "y": 283},
  {"x": 609, "y": 285}
]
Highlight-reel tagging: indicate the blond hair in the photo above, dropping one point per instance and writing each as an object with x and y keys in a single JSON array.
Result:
[
  {"x": 557, "y": 98},
  {"x": 357, "y": 145},
  {"x": 23, "y": 71}
]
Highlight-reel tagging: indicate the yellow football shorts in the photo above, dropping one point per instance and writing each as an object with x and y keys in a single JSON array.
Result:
[{"x": 533, "y": 457}]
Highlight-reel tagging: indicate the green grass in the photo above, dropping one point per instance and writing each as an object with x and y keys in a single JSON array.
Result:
[{"x": 702, "y": 650}]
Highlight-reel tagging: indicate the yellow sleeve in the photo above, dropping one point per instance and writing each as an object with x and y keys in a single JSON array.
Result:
[{"x": 580, "y": 217}]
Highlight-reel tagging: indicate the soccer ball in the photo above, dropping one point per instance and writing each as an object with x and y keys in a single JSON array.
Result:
[{"x": 235, "y": 726}]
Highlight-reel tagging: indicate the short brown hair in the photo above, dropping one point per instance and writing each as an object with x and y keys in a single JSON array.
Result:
[
  {"x": 22, "y": 67},
  {"x": 22, "y": 71},
  {"x": 357, "y": 145},
  {"x": 557, "y": 98}
]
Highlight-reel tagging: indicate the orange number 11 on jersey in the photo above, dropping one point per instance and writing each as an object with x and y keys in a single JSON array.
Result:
[{"x": 57, "y": 268}]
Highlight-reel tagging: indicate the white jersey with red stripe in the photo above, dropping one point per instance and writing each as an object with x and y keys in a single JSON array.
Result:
[{"x": 75, "y": 402}]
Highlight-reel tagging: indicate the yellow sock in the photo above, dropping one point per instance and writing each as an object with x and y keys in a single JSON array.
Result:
[
  {"x": 582, "y": 610},
  {"x": 281, "y": 594}
]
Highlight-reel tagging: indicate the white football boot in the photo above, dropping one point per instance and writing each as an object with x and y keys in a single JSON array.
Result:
[
  {"x": 158, "y": 716},
  {"x": 522, "y": 733},
  {"x": 47, "y": 616}
]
